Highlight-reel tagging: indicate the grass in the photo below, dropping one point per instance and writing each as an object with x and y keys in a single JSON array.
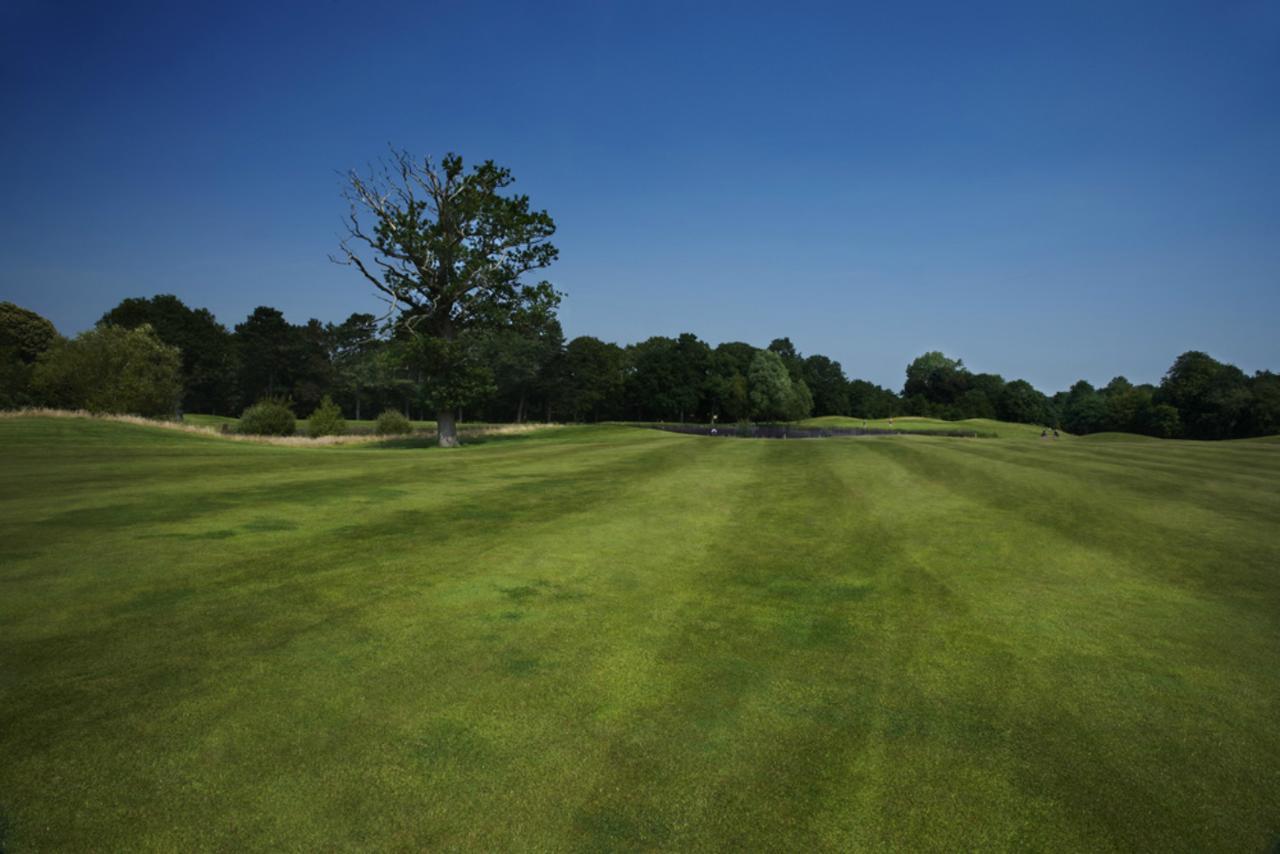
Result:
[
  {"x": 208, "y": 420},
  {"x": 364, "y": 425},
  {"x": 909, "y": 423},
  {"x": 611, "y": 638},
  {"x": 473, "y": 432}
]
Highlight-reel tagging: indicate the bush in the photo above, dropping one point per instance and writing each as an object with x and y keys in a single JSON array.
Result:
[
  {"x": 110, "y": 369},
  {"x": 269, "y": 417},
  {"x": 392, "y": 423},
  {"x": 327, "y": 420}
]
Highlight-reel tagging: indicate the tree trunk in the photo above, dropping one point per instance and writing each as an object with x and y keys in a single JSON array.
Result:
[
  {"x": 446, "y": 429},
  {"x": 520, "y": 409}
]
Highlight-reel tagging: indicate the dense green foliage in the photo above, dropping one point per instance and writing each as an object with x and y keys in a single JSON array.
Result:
[
  {"x": 111, "y": 369},
  {"x": 23, "y": 333},
  {"x": 525, "y": 370},
  {"x": 591, "y": 377},
  {"x": 601, "y": 638},
  {"x": 270, "y": 351},
  {"x": 1199, "y": 398},
  {"x": 326, "y": 420},
  {"x": 208, "y": 363},
  {"x": 771, "y": 394},
  {"x": 1212, "y": 399},
  {"x": 24, "y": 336},
  {"x": 271, "y": 416},
  {"x": 15, "y": 382},
  {"x": 392, "y": 423},
  {"x": 518, "y": 358}
]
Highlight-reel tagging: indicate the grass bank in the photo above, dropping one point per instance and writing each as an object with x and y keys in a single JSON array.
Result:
[
  {"x": 358, "y": 432},
  {"x": 913, "y": 423}
]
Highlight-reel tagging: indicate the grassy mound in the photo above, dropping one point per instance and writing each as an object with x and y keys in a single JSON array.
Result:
[
  {"x": 209, "y": 420},
  {"x": 614, "y": 638},
  {"x": 1111, "y": 436},
  {"x": 1002, "y": 429}
]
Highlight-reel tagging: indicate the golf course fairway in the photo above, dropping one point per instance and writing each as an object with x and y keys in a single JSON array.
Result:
[{"x": 612, "y": 638}]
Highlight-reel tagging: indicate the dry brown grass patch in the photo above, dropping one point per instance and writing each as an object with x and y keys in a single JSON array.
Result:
[{"x": 464, "y": 431}]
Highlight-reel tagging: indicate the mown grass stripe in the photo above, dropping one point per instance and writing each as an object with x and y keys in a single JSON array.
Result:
[{"x": 622, "y": 639}]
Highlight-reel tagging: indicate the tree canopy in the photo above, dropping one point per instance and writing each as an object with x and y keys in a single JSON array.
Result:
[
  {"x": 448, "y": 249},
  {"x": 523, "y": 369},
  {"x": 24, "y": 336},
  {"x": 771, "y": 395},
  {"x": 24, "y": 333},
  {"x": 208, "y": 364},
  {"x": 111, "y": 369}
]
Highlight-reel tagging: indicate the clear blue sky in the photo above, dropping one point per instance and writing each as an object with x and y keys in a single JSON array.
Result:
[{"x": 1046, "y": 190}]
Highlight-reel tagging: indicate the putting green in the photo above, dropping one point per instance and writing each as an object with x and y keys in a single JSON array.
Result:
[{"x": 614, "y": 638}]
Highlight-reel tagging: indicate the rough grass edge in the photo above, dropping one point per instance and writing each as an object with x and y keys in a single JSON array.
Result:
[{"x": 287, "y": 441}]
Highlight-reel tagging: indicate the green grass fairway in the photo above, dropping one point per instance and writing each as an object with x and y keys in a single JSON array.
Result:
[{"x": 606, "y": 638}]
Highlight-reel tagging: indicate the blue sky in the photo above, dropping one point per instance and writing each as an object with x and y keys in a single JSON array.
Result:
[{"x": 1046, "y": 190}]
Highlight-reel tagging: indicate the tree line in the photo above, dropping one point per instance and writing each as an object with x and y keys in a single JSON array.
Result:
[
  {"x": 466, "y": 334},
  {"x": 1198, "y": 398},
  {"x": 156, "y": 356}
]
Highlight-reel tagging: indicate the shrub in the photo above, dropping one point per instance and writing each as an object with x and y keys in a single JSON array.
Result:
[
  {"x": 327, "y": 420},
  {"x": 269, "y": 417},
  {"x": 392, "y": 423},
  {"x": 110, "y": 369}
]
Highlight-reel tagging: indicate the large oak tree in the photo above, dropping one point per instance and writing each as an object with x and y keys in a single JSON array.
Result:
[{"x": 448, "y": 249}]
